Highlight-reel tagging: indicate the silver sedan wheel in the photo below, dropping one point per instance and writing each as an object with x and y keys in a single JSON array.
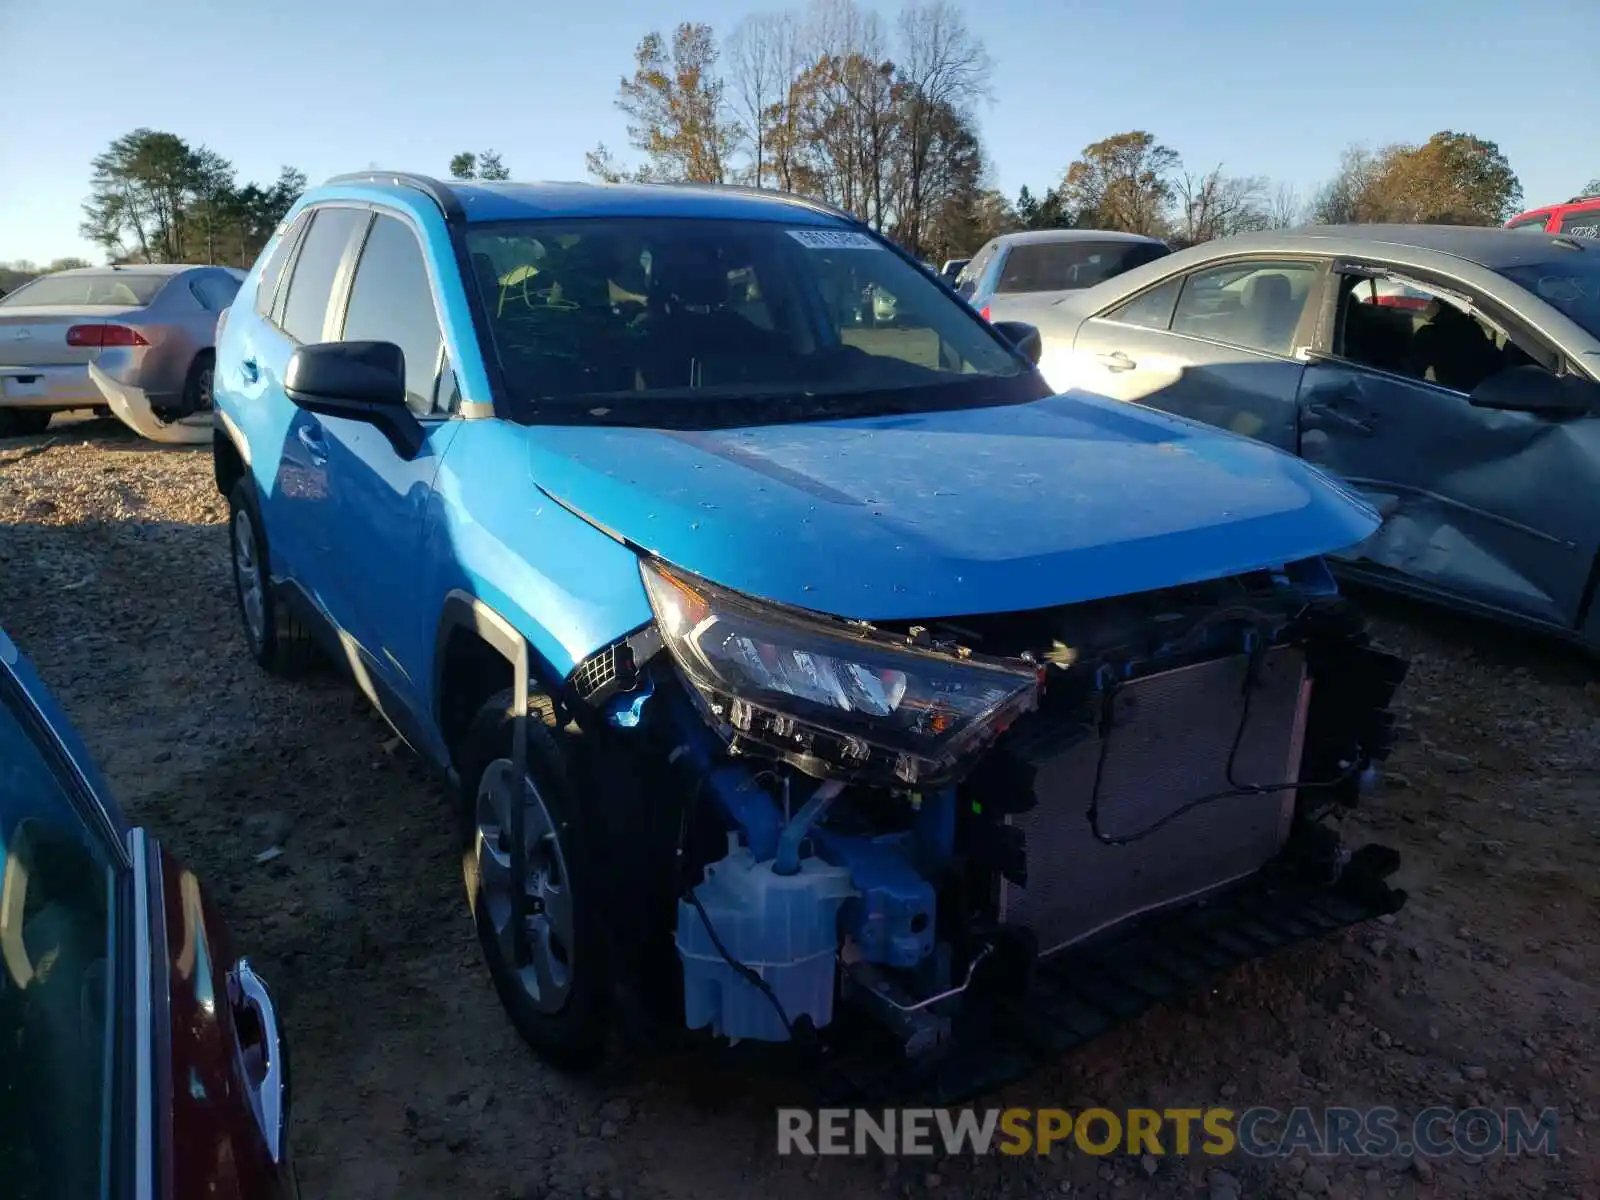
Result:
[
  {"x": 544, "y": 964},
  {"x": 247, "y": 573}
]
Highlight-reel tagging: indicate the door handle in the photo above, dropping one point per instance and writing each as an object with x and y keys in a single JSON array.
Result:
[
  {"x": 250, "y": 370},
  {"x": 1116, "y": 361},
  {"x": 310, "y": 436},
  {"x": 266, "y": 1072},
  {"x": 1335, "y": 416}
]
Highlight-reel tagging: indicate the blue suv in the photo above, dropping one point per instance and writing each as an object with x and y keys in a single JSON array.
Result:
[{"x": 805, "y": 670}]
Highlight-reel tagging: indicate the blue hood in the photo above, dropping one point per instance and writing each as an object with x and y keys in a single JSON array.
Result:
[{"x": 937, "y": 514}]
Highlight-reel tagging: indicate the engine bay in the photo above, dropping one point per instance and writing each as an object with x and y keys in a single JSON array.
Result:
[{"x": 1176, "y": 746}]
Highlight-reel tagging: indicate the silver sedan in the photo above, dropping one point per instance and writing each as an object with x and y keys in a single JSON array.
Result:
[
  {"x": 138, "y": 339},
  {"x": 1449, "y": 374}
]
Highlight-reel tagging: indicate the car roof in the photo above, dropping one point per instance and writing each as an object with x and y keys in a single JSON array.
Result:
[
  {"x": 1494, "y": 247},
  {"x": 1035, "y": 236},
  {"x": 479, "y": 200},
  {"x": 136, "y": 269}
]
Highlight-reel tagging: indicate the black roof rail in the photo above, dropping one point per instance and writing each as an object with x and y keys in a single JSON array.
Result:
[
  {"x": 743, "y": 189},
  {"x": 449, "y": 203},
  {"x": 1581, "y": 199}
]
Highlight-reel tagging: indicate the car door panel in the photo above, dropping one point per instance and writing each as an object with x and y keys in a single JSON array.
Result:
[
  {"x": 304, "y": 511},
  {"x": 378, "y": 527},
  {"x": 1500, "y": 508},
  {"x": 1231, "y": 387},
  {"x": 223, "y": 1067},
  {"x": 1205, "y": 345},
  {"x": 377, "y": 522}
]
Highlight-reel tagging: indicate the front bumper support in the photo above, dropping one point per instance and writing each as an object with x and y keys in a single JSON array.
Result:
[{"x": 1080, "y": 993}]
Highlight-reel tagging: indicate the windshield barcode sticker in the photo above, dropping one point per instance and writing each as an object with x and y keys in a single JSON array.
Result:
[{"x": 833, "y": 239}]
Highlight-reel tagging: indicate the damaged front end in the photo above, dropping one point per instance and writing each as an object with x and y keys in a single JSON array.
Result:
[{"x": 952, "y": 847}]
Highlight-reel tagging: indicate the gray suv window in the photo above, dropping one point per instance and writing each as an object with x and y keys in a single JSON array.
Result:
[{"x": 315, "y": 268}]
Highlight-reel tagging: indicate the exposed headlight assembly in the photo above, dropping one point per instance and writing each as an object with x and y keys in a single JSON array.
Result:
[{"x": 828, "y": 697}]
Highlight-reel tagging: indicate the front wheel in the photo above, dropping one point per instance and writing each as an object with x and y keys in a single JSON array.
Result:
[
  {"x": 551, "y": 969},
  {"x": 277, "y": 641}
]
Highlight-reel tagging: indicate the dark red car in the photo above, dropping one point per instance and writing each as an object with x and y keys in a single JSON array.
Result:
[
  {"x": 1578, "y": 217},
  {"x": 139, "y": 1058}
]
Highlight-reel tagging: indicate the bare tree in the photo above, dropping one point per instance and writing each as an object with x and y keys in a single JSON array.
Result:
[
  {"x": 1285, "y": 209},
  {"x": 763, "y": 58},
  {"x": 1215, "y": 205},
  {"x": 944, "y": 71}
]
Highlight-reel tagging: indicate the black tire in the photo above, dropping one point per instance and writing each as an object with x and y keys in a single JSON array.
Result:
[
  {"x": 576, "y": 1035},
  {"x": 197, "y": 384},
  {"x": 276, "y": 640},
  {"x": 23, "y": 422}
]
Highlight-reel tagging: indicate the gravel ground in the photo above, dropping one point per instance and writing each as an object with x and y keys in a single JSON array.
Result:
[{"x": 114, "y": 577}]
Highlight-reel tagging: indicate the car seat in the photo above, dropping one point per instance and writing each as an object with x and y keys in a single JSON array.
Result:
[
  {"x": 1453, "y": 349},
  {"x": 1269, "y": 312}
]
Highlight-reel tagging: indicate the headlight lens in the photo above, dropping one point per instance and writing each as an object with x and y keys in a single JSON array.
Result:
[{"x": 829, "y": 698}]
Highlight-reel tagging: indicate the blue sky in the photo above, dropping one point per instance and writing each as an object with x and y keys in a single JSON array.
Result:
[{"x": 1268, "y": 87}]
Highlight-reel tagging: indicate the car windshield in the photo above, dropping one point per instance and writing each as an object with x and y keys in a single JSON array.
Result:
[
  {"x": 1065, "y": 265},
  {"x": 662, "y": 321},
  {"x": 1571, "y": 285},
  {"x": 108, "y": 289}
]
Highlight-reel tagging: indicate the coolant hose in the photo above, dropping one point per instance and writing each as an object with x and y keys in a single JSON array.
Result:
[{"x": 788, "y": 859}]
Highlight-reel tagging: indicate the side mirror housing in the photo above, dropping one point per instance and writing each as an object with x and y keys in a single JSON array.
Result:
[
  {"x": 360, "y": 381},
  {"x": 1535, "y": 390},
  {"x": 1024, "y": 337}
]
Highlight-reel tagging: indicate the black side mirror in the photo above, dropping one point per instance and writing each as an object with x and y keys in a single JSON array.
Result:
[
  {"x": 360, "y": 381},
  {"x": 1024, "y": 337},
  {"x": 1535, "y": 390}
]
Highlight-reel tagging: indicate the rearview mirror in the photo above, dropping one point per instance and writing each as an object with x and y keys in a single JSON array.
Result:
[
  {"x": 1024, "y": 337},
  {"x": 360, "y": 381},
  {"x": 1535, "y": 390}
]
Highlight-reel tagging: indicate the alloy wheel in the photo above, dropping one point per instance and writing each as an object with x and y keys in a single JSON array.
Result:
[{"x": 543, "y": 963}]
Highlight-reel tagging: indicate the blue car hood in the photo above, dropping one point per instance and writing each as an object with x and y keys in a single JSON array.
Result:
[{"x": 949, "y": 513}]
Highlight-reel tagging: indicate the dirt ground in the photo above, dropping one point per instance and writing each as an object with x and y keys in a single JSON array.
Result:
[{"x": 408, "y": 1082}]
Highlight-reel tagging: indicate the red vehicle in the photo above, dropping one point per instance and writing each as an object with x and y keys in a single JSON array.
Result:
[
  {"x": 138, "y": 1057},
  {"x": 1578, "y": 217}
]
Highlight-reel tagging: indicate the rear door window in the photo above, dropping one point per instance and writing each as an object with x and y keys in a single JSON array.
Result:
[
  {"x": 1079, "y": 263},
  {"x": 1256, "y": 305},
  {"x": 316, "y": 267},
  {"x": 391, "y": 300},
  {"x": 108, "y": 289}
]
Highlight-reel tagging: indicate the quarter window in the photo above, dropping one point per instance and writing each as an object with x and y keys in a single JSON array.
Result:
[
  {"x": 392, "y": 301},
  {"x": 1150, "y": 309},
  {"x": 315, "y": 268},
  {"x": 1536, "y": 224},
  {"x": 1256, "y": 305}
]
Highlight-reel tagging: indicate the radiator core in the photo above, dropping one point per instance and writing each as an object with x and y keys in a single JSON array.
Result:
[{"x": 1169, "y": 742}]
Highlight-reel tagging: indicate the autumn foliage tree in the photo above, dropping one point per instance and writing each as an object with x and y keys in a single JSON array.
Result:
[
  {"x": 827, "y": 103},
  {"x": 676, "y": 112},
  {"x": 1452, "y": 178},
  {"x": 1123, "y": 182}
]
